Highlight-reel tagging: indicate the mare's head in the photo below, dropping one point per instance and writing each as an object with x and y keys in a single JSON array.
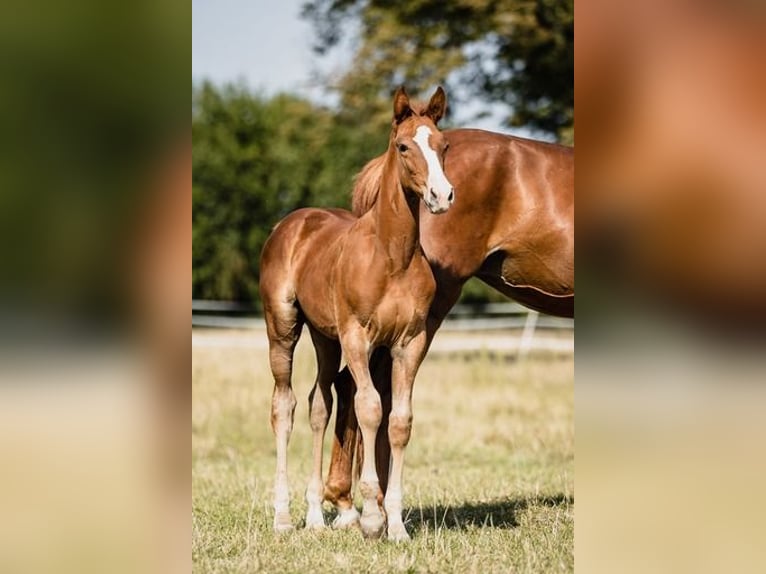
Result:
[{"x": 419, "y": 147}]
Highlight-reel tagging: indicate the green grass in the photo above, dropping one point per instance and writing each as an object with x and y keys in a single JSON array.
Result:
[{"x": 488, "y": 473}]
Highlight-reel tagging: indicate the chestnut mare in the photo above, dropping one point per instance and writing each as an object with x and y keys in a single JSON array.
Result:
[
  {"x": 512, "y": 226},
  {"x": 359, "y": 284}
]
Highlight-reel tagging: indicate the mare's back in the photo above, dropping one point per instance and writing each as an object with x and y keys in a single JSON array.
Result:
[{"x": 498, "y": 158}]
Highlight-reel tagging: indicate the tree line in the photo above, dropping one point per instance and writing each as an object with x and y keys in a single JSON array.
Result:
[{"x": 254, "y": 160}]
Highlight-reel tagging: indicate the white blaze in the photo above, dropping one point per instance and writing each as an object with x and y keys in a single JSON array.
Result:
[{"x": 437, "y": 181}]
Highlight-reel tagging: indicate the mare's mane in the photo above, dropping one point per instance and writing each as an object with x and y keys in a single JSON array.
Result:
[{"x": 367, "y": 181}]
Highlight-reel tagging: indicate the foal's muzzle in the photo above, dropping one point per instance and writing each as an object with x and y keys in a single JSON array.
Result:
[{"x": 439, "y": 202}]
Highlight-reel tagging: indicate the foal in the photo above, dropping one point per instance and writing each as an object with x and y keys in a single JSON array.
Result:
[{"x": 358, "y": 284}]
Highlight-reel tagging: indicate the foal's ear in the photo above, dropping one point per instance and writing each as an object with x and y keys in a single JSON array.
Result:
[
  {"x": 402, "y": 109},
  {"x": 437, "y": 106}
]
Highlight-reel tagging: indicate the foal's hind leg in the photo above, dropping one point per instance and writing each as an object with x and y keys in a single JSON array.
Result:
[
  {"x": 339, "y": 477},
  {"x": 283, "y": 327},
  {"x": 380, "y": 368},
  {"x": 320, "y": 406}
]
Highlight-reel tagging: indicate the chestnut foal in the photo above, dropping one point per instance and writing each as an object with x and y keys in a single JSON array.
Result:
[{"x": 359, "y": 284}]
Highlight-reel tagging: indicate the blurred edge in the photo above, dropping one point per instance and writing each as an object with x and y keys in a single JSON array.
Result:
[
  {"x": 95, "y": 283},
  {"x": 94, "y": 202},
  {"x": 671, "y": 311}
]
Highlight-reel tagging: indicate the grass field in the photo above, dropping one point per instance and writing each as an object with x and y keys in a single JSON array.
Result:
[{"x": 489, "y": 472}]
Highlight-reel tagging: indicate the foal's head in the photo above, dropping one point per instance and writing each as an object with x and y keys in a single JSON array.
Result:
[{"x": 420, "y": 149}]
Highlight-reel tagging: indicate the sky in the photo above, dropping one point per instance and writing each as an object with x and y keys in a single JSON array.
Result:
[
  {"x": 263, "y": 43},
  {"x": 267, "y": 46}
]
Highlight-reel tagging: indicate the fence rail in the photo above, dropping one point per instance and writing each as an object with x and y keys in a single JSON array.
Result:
[
  {"x": 494, "y": 319},
  {"x": 465, "y": 317}
]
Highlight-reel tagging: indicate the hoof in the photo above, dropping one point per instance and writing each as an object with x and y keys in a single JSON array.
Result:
[
  {"x": 282, "y": 528},
  {"x": 317, "y": 526},
  {"x": 397, "y": 533},
  {"x": 348, "y": 518},
  {"x": 373, "y": 526},
  {"x": 315, "y": 521},
  {"x": 282, "y": 523}
]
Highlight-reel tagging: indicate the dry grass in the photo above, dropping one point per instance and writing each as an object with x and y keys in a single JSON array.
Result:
[{"x": 488, "y": 477}]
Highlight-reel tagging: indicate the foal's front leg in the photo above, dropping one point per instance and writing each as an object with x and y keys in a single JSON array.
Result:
[
  {"x": 406, "y": 361},
  {"x": 369, "y": 413}
]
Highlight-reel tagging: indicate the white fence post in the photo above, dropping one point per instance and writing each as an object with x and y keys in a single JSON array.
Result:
[{"x": 528, "y": 334}]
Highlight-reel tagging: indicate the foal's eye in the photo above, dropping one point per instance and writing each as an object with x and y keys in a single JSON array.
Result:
[{"x": 403, "y": 148}]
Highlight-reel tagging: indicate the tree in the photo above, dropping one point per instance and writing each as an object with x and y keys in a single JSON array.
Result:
[
  {"x": 254, "y": 160},
  {"x": 518, "y": 53}
]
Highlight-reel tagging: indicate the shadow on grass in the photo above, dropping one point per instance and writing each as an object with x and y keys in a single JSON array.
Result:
[{"x": 496, "y": 514}]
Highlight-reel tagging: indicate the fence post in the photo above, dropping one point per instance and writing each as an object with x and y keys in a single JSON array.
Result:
[{"x": 528, "y": 334}]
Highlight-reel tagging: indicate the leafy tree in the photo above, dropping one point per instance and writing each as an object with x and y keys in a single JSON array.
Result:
[
  {"x": 519, "y": 53},
  {"x": 254, "y": 160}
]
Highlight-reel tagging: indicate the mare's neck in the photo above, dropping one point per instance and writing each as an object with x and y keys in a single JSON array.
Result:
[{"x": 397, "y": 216}]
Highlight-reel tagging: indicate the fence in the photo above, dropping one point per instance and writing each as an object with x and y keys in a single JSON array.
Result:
[{"x": 502, "y": 326}]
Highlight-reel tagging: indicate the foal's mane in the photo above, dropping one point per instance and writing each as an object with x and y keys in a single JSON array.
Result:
[
  {"x": 367, "y": 181},
  {"x": 367, "y": 186}
]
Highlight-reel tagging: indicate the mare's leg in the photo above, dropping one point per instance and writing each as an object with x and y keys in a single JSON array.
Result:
[
  {"x": 406, "y": 361},
  {"x": 339, "y": 478},
  {"x": 320, "y": 406},
  {"x": 369, "y": 414},
  {"x": 283, "y": 327}
]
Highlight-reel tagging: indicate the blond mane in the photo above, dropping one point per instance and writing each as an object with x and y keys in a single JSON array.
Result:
[{"x": 367, "y": 186}]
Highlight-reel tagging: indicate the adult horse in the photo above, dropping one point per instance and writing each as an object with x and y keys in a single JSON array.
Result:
[
  {"x": 512, "y": 226},
  {"x": 359, "y": 284}
]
